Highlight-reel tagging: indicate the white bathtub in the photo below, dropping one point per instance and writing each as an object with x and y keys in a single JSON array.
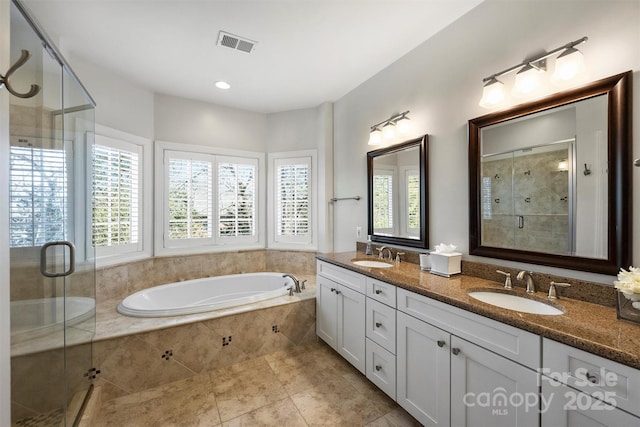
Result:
[
  {"x": 35, "y": 318},
  {"x": 200, "y": 295}
]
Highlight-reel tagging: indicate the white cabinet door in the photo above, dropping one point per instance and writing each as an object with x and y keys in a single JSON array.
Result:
[
  {"x": 422, "y": 366},
  {"x": 327, "y": 311},
  {"x": 563, "y": 406},
  {"x": 489, "y": 390},
  {"x": 351, "y": 327}
]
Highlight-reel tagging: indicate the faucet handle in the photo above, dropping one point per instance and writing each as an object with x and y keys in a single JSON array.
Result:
[
  {"x": 553, "y": 293},
  {"x": 507, "y": 279},
  {"x": 302, "y": 286},
  {"x": 398, "y": 256}
]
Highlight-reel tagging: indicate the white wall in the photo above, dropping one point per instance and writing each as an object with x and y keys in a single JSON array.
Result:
[
  {"x": 120, "y": 104},
  {"x": 292, "y": 130},
  {"x": 196, "y": 122},
  {"x": 441, "y": 83}
]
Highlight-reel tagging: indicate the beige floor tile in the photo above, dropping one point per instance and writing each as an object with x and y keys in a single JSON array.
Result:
[
  {"x": 282, "y": 413},
  {"x": 396, "y": 418},
  {"x": 245, "y": 387},
  {"x": 307, "y": 385},
  {"x": 185, "y": 403},
  {"x": 337, "y": 403}
]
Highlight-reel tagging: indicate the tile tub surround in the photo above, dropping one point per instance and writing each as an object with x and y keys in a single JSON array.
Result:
[
  {"x": 121, "y": 280},
  {"x": 135, "y": 354},
  {"x": 587, "y": 326}
]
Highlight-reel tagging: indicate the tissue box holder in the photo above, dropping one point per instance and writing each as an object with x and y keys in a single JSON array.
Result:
[{"x": 445, "y": 264}]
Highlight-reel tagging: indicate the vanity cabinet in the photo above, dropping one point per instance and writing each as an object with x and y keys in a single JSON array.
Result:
[
  {"x": 449, "y": 367},
  {"x": 445, "y": 380},
  {"x": 340, "y": 312}
]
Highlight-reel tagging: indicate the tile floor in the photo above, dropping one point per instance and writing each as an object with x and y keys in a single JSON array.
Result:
[{"x": 308, "y": 386}]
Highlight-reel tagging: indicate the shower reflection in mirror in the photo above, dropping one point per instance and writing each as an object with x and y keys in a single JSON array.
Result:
[{"x": 533, "y": 197}]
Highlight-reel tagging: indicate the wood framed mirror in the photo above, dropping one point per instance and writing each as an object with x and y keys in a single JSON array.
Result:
[
  {"x": 398, "y": 194},
  {"x": 550, "y": 181}
]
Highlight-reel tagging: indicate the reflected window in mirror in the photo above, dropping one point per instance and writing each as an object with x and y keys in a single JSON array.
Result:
[
  {"x": 397, "y": 188},
  {"x": 550, "y": 180}
]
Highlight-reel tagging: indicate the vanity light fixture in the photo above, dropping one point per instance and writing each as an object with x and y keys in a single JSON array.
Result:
[
  {"x": 387, "y": 129},
  {"x": 492, "y": 93},
  {"x": 569, "y": 64}
]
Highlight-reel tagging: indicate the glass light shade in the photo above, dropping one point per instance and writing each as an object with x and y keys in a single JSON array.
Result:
[
  {"x": 492, "y": 93},
  {"x": 375, "y": 137},
  {"x": 527, "y": 81},
  {"x": 388, "y": 131},
  {"x": 569, "y": 65},
  {"x": 223, "y": 85},
  {"x": 404, "y": 125}
]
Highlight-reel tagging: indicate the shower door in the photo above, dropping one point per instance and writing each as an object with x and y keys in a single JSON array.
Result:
[{"x": 52, "y": 270}]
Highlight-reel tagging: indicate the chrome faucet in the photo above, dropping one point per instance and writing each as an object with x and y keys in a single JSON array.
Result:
[
  {"x": 381, "y": 255},
  {"x": 297, "y": 283},
  {"x": 526, "y": 275}
]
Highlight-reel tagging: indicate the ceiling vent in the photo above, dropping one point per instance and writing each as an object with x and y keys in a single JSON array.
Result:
[{"x": 236, "y": 42}]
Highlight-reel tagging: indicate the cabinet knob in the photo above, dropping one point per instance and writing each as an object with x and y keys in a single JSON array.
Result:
[
  {"x": 455, "y": 351},
  {"x": 592, "y": 378},
  {"x": 333, "y": 289},
  {"x": 441, "y": 343},
  {"x": 378, "y": 368},
  {"x": 338, "y": 292},
  {"x": 378, "y": 291},
  {"x": 378, "y": 324}
]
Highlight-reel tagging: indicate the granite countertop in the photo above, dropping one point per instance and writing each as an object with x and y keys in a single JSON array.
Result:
[{"x": 587, "y": 326}]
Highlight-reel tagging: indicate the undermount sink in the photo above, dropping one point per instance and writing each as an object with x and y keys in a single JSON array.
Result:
[
  {"x": 514, "y": 302},
  {"x": 371, "y": 263}
]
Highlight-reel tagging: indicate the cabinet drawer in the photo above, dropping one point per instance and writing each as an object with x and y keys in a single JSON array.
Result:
[
  {"x": 566, "y": 407},
  {"x": 507, "y": 341},
  {"x": 594, "y": 375},
  {"x": 343, "y": 276},
  {"x": 381, "y": 291},
  {"x": 381, "y": 324},
  {"x": 381, "y": 368}
]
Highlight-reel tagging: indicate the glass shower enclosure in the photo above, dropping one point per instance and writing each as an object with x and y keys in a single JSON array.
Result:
[{"x": 52, "y": 267}]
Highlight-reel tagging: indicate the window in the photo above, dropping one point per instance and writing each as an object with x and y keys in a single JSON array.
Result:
[
  {"x": 38, "y": 193},
  {"x": 383, "y": 184},
  {"x": 121, "y": 197},
  {"x": 189, "y": 197},
  {"x": 292, "y": 177},
  {"x": 208, "y": 199},
  {"x": 116, "y": 193},
  {"x": 410, "y": 202},
  {"x": 236, "y": 197}
]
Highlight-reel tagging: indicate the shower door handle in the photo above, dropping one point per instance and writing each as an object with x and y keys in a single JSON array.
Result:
[{"x": 43, "y": 258}]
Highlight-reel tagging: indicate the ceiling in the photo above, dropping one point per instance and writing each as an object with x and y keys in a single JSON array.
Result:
[{"x": 308, "y": 51}]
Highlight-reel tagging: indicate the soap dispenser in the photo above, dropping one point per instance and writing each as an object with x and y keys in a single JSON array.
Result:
[{"x": 369, "y": 249}]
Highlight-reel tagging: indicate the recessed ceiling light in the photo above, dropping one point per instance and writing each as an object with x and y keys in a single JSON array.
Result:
[{"x": 223, "y": 85}]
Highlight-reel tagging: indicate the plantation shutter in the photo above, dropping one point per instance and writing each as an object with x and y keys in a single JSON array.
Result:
[
  {"x": 189, "y": 196},
  {"x": 116, "y": 194},
  {"x": 37, "y": 193},
  {"x": 293, "y": 200},
  {"x": 383, "y": 201},
  {"x": 236, "y": 185},
  {"x": 413, "y": 202}
]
